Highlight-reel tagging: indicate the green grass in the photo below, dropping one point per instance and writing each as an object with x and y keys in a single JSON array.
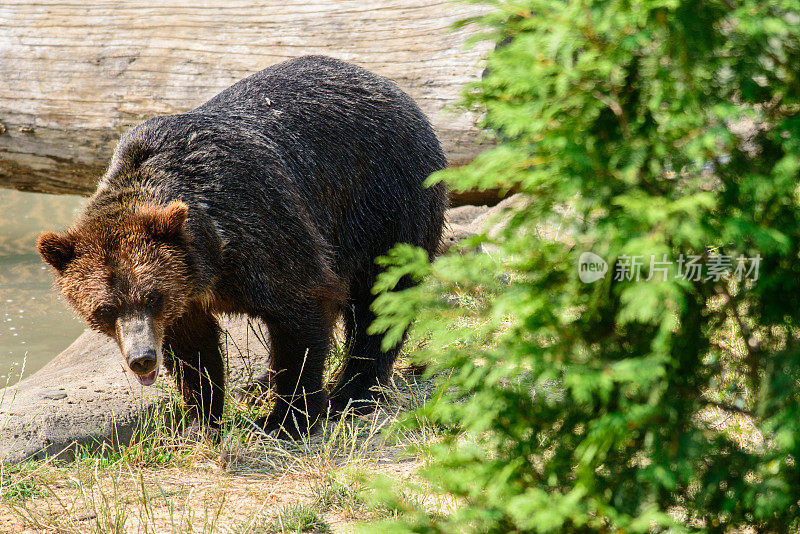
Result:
[
  {"x": 167, "y": 480},
  {"x": 337, "y": 491},
  {"x": 17, "y": 482},
  {"x": 291, "y": 518}
]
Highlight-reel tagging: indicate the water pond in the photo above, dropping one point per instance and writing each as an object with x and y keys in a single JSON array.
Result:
[{"x": 35, "y": 324}]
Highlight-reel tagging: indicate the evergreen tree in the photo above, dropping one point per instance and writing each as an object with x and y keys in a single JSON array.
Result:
[{"x": 662, "y": 136}]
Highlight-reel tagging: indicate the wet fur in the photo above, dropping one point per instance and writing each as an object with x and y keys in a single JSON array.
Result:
[{"x": 295, "y": 179}]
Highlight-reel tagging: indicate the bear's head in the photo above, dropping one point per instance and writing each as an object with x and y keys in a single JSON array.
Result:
[{"x": 126, "y": 273}]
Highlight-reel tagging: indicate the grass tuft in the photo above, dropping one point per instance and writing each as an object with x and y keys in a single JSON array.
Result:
[
  {"x": 340, "y": 492},
  {"x": 291, "y": 518},
  {"x": 16, "y": 482}
]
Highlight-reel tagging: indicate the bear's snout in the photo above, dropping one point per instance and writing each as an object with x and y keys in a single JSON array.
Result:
[
  {"x": 144, "y": 362},
  {"x": 139, "y": 344}
]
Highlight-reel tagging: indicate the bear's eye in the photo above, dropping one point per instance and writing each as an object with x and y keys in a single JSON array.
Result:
[
  {"x": 106, "y": 314},
  {"x": 155, "y": 302}
]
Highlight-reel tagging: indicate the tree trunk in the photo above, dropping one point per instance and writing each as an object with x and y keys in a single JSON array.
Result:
[{"x": 75, "y": 76}]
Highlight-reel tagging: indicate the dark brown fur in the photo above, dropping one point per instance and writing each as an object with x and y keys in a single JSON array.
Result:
[{"x": 270, "y": 200}]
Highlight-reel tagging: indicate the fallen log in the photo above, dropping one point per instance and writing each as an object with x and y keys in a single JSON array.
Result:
[{"x": 76, "y": 77}]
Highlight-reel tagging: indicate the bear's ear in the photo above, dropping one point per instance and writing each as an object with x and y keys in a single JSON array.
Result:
[
  {"x": 167, "y": 223},
  {"x": 57, "y": 250}
]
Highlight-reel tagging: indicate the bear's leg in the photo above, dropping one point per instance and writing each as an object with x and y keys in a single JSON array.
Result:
[
  {"x": 192, "y": 354},
  {"x": 367, "y": 367},
  {"x": 297, "y": 359}
]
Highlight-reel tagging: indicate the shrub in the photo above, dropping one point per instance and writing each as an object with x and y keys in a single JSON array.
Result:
[{"x": 662, "y": 134}]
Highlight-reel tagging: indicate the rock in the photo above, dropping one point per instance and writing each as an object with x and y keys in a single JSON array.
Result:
[
  {"x": 454, "y": 233},
  {"x": 467, "y": 221},
  {"x": 465, "y": 215},
  {"x": 53, "y": 395},
  {"x": 492, "y": 220}
]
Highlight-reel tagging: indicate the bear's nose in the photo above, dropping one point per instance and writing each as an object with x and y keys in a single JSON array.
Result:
[{"x": 143, "y": 362}]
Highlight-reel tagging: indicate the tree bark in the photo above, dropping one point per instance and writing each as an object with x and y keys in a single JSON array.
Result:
[{"x": 76, "y": 75}]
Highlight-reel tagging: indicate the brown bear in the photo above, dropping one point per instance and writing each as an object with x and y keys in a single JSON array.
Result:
[{"x": 272, "y": 200}]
